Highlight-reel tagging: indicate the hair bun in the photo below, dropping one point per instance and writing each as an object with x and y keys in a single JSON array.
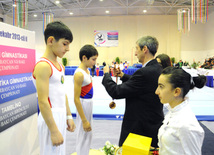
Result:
[{"x": 199, "y": 81}]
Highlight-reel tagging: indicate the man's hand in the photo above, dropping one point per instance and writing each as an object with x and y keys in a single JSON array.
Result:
[
  {"x": 86, "y": 126},
  {"x": 118, "y": 72},
  {"x": 71, "y": 126},
  {"x": 106, "y": 69},
  {"x": 57, "y": 138}
]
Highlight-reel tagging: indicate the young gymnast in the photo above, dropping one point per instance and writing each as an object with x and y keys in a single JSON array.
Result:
[
  {"x": 49, "y": 80},
  {"x": 83, "y": 93}
]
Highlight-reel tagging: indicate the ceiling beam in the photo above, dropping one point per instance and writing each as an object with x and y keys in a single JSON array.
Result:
[
  {"x": 121, "y": 3},
  {"x": 167, "y": 3},
  {"x": 78, "y": 2},
  {"x": 59, "y": 5},
  {"x": 115, "y": 7},
  {"x": 134, "y": 3},
  {"x": 172, "y": 6},
  {"x": 2, "y": 8},
  {"x": 88, "y": 3},
  {"x": 29, "y": 3}
]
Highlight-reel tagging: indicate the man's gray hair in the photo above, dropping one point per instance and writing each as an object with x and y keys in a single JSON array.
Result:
[{"x": 151, "y": 43}]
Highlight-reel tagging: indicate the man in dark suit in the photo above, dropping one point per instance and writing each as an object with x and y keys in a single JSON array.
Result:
[{"x": 143, "y": 111}]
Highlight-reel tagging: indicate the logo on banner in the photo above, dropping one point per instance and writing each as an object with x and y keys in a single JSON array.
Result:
[
  {"x": 106, "y": 38},
  {"x": 100, "y": 38}
]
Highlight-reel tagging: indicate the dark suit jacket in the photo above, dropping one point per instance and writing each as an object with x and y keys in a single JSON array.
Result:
[{"x": 143, "y": 111}]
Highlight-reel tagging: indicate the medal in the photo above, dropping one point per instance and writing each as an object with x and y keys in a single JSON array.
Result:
[
  {"x": 62, "y": 79},
  {"x": 112, "y": 105}
]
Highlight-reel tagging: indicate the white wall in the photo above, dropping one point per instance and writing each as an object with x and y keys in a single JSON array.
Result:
[
  {"x": 209, "y": 33},
  {"x": 198, "y": 44},
  {"x": 130, "y": 28},
  {"x": 195, "y": 45},
  {"x": 37, "y": 27}
]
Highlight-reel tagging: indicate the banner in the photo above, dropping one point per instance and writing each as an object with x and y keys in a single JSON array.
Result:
[
  {"x": 17, "y": 59},
  {"x": 105, "y": 38},
  {"x": 18, "y": 98}
]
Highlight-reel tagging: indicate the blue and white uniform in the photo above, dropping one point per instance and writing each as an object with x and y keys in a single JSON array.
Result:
[
  {"x": 83, "y": 141},
  {"x": 57, "y": 103}
]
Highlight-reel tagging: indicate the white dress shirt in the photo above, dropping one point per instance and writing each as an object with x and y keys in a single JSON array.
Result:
[
  {"x": 180, "y": 134},
  {"x": 146, "y": 63}
]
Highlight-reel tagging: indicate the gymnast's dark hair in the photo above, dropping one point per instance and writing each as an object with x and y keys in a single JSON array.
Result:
[
  {"x": 180, "y": 78},
  {"x": 58, "y": 30},
  {"x": 88, "y": 51},
  {"x": 165, "y": 60}
]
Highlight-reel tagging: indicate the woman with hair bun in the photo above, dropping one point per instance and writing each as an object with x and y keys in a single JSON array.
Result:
[{"x": 180, "y": 132}]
